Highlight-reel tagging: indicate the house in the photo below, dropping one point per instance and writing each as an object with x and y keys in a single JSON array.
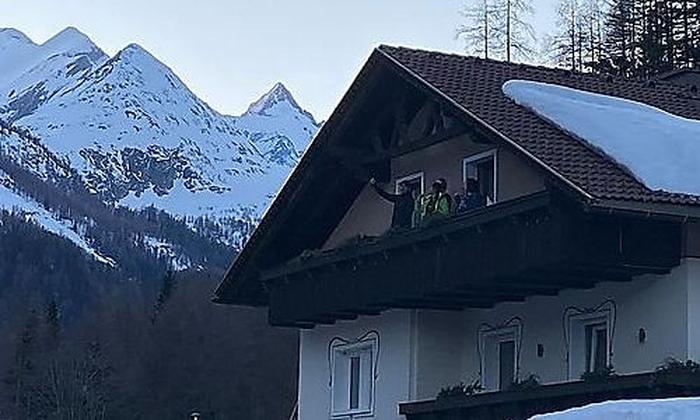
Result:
[{"x": 574, "y": 265}]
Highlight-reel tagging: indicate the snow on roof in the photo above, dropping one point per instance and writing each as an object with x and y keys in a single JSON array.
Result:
[
  {"x": 666, "y": 409},
  {"x": 661, "y": 149}
]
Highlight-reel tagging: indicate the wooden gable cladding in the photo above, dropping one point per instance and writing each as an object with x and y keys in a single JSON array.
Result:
[
  {"x": 407, "y": 120},
  {"x": 504, "y": 253}
]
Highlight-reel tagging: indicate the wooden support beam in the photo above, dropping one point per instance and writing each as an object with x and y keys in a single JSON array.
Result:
[
  {"x": 463, "y": 298},
  {"x": 324, "y": 320},
  {"x": 286, "y": 324},
  {"x": 523, "y": 249}
]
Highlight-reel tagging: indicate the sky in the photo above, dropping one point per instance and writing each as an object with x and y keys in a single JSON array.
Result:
[{"x": 230, "y": 52}]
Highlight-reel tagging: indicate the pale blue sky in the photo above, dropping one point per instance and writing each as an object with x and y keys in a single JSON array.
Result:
[{"x": 230, "y": 51}]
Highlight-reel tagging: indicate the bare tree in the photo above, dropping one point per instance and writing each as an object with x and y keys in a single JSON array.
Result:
[
  {"x": 479, "y": 28},
  {"x": 515, "y": 34},
  {"x": 592, "y": 14},
  {"x": 566, "y": 44}
]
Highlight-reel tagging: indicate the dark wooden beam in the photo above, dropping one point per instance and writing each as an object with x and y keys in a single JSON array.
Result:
[
  {"x": 428, "y": 304},
  {"x": 466, "y": 295},
  {"x": 504, "y": 253}
]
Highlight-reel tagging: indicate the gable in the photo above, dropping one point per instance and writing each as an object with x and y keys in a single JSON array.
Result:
[
  {"x": 414, "y": 93},
  {"x": 476, "y": 86}
]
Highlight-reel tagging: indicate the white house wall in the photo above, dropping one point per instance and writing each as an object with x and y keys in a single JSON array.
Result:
[
  {"x": 422, "y": 352},
  {"x": 447, "y": 342},
  {"x": 692, "y": 274},
  {"x": 393, "y": 366}
]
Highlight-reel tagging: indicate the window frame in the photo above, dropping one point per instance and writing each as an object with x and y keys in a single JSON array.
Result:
[
  {"x": 410, "y": 177},
  {"x": 354, "y": 350},
  {"x": 497, "y": 336},
  {"x": 578, "y": 351},
  {"x": 592, "y": 352},
  {"x": 480, "y": 156}
]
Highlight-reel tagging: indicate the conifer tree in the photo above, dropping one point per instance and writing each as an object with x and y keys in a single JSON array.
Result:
[
  {"x": 23, "y": 372},
  {"x": 167, "y": 288}
]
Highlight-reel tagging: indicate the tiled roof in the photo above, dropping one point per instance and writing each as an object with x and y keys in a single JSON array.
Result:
[{"x": 475, "y": 84}]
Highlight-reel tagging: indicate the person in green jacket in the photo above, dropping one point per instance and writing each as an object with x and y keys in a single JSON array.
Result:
[{"x": 437, "y": 204}]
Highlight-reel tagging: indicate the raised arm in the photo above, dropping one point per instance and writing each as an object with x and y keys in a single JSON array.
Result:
[{"x": 385, "y": 195}]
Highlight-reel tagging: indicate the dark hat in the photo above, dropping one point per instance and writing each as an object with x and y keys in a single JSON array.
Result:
[{"x": 440, "y": 183}]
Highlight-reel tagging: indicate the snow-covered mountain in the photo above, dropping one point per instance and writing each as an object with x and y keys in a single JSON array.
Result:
[
  {"x": 136, "y": 136},
  {"x": 31, "y": 74}
]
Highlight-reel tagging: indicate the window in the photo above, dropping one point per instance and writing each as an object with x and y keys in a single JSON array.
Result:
[
  {"x": 415, "y": 182},
  {"x": 589, "y": 347},
  {"x": 596, "y": 347},
  {"x": 352, "y": 378},
  {"x": 482, "y": 169},
  {"x": 499, "y": 353}
]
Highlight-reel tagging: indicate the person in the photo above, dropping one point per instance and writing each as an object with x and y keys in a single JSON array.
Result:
[
  {"x": 437, "y": 204},
  {"x": 472, "y": 198},
  {"x": 404, "y": 204}
]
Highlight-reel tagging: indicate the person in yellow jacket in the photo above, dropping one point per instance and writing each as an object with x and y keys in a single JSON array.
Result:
[{"x": 435, "y": 205}]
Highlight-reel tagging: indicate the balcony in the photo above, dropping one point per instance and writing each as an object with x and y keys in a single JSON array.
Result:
[
  {"x": 522, "y": 404},
  {"x": 535, "y": 245}
]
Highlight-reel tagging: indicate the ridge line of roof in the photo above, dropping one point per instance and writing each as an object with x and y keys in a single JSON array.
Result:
[
  {"x": 487, "y": 125},
  {"x": 599, "y": 76}
]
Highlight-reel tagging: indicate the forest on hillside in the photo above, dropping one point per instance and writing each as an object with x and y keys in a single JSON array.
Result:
[{"x": 128, "y": 353}]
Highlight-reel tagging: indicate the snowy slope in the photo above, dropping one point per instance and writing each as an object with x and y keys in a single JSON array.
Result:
[
  {"x": 138, "y": 136},
  {"x": 667, "y": 409},
  {"x": 661, "y": 149},
  {"x": 32, "y": 74},
  {"x": 16, "y": 202}
]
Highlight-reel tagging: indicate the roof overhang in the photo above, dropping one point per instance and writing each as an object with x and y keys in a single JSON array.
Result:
[{"x": 243, "y": 283}]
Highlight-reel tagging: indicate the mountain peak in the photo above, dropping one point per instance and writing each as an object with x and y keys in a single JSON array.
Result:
[
  {"x": 134, "y": 53},
  {"x": 279, "y": 94},
  {"x": 8, "y": 35},
  {"x": 70, "y": 39},
  {"x": 274, "y": 96},
  {"x": 134, "y": 48}
]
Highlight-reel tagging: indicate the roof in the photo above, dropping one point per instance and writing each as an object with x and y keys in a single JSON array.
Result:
[
  {"x": 471, "y": 87},
  {"x": 476, "y": 85}
]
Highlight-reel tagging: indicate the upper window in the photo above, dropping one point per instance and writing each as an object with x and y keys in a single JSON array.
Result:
[
  {"x": 589, "y": 346},
  {"x": 414, "y": 182},
  {"x": 499, "y": 352},
  {"x": 352, "y": 378},
  {"x": 480, "y": 170}
]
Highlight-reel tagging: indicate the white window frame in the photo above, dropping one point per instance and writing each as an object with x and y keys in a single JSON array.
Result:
[
  {"x": 479, "y": 156},
  {"x": 577, "y": 324},
  {"x": 411, "y": 177},
  {"x": 343, "y": 412},
  {"x": 490, "y": 379}
]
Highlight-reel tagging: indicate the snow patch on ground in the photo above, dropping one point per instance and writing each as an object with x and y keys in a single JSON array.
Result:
[
  {"x": 667, "y": 409},
  {"x": 32, "y": 211},
  {"x": 164, "y": 249},
  {"x": 661, "y": 149}
]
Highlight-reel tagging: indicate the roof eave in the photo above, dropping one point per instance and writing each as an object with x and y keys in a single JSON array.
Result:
[{"x": 668, "y": 211}]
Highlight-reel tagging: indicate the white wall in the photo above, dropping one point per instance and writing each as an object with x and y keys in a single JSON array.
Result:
[
  {"x": 422, "y": 352},
  {"x": 692, "y": 274},
  {"x": 447, "y": 342},
  {"x": 394, "y": 364}
]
